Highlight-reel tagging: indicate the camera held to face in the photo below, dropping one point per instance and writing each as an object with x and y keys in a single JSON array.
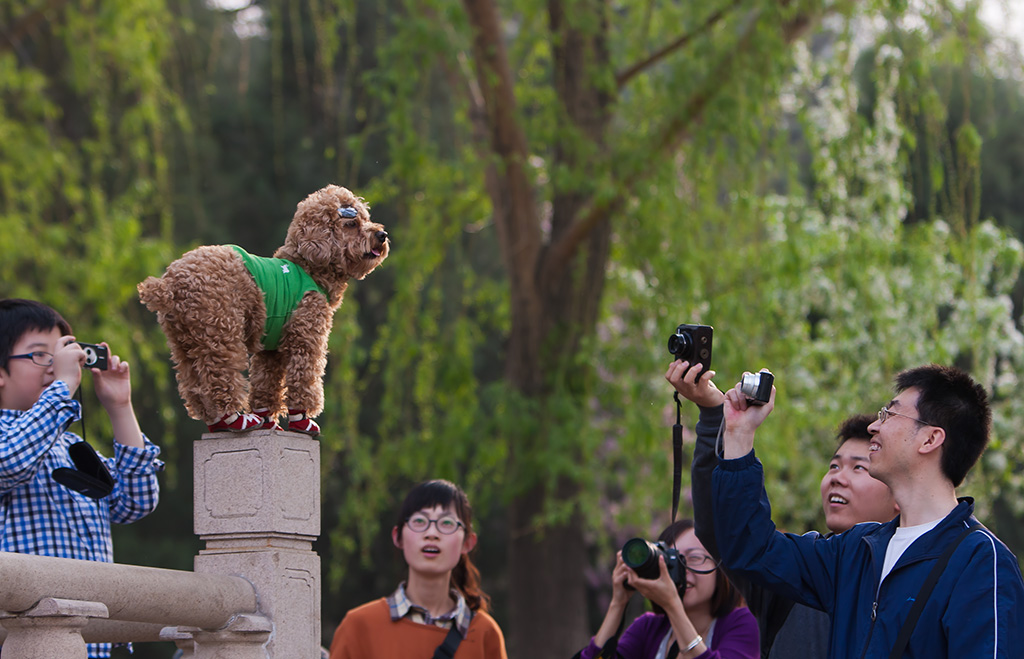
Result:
[
  {"x": 642, "y": 557},
  {"x": 692, "y": 343},
  {"x": 96, "y": 356},
  {"x": 757, "y": 387}
]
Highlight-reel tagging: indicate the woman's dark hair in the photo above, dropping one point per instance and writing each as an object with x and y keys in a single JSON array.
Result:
[
  {"x": 465, "y": 576},
  {"x": 725, "y": 598},
  {"x": 18, "y": 316}
]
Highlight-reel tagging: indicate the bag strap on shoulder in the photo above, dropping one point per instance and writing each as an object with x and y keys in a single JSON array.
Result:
[
  {"x": 926, "y": 590},
  {"x": 451, "y": 642}
]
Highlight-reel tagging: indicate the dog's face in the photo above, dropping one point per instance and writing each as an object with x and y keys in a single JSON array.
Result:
[{"x": 332, "y": 230}]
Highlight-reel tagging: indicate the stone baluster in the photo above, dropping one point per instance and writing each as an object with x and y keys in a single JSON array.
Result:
[
  {"x": 52, "y": 629},
  {"x": 257, "y": 508}
]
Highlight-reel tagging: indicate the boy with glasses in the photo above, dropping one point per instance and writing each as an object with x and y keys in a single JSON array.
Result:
[
  {"x": 40, "y": 369},
  {"x": 849, "y": 496},
  {"x": 873, "y": 579}
]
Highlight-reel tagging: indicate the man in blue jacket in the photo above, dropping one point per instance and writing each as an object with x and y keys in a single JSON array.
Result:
[
  {"x": 849, "y": 496},
  {"x": 923, "y": 444}
]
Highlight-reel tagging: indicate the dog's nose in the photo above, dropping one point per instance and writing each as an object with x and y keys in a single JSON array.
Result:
[{"x": 382, "y": 235}]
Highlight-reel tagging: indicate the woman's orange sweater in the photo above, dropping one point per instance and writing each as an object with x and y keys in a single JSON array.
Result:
[{"x": 367, "y": 632}]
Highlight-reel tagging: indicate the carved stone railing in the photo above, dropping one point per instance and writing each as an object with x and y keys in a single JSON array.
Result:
[{"x": 255, "y": 591}]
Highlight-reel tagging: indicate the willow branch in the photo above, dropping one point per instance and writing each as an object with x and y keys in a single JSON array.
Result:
[
  {"x": 667, "y": 142},
  {"x": 623, "y": 78}
]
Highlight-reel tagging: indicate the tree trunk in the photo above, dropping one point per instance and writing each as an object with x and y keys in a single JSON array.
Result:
[
  {"x": 550, "y": 315},
  {"x": 556, "y": 282}
]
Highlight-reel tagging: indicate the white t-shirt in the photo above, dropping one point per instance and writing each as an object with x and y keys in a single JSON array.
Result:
[{"x": 901, "y": 540}]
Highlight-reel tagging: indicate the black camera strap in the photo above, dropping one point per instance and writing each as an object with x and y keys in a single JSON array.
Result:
[
  {"x": 451, "y": 642},
  {"x": 677, "y": 456},
  {"x": 90, "y": 475},
  {"x": 926, "y": 590}
]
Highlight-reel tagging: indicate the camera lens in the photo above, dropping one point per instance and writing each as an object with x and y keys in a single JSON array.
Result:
[
  {"x": 680, "y": 344},
  {"x": 642, "y": 557}
]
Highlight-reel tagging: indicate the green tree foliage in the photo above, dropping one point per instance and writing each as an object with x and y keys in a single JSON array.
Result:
[
  {"x": 85, "y": 189},
  {"x": 563, "y": 182},
  {"x": 644, "y": 149},
  {"x": 834, "y": 293}
]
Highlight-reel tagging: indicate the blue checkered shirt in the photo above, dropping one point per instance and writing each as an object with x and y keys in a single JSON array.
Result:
[
  {"x": 402, "y": 607},
  {"x": 40, "y": 516}
]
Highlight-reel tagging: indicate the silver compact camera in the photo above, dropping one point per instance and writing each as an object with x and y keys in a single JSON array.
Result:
[{"x": 757, "y": 387}]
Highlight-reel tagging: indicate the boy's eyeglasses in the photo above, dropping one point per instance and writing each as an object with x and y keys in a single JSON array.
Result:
[
  {"x": 38, "y": 357},
  {"x": 446, "y": 525}
]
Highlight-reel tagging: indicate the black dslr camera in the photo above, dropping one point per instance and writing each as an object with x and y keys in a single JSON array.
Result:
[
  {"x": 95, "y": 356},
  {"x": 692, "y": 343},
  {"x": 757, "y": 387},
  {"x": 642, "y": 557}
]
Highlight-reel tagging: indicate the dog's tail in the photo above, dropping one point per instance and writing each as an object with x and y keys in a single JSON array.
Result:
[{"x": 155, "y": 295}]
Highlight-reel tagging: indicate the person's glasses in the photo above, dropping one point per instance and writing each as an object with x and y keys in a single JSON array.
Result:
[
  {"x": 38, "y": 357},
  {"x": 885, "y": 413},
  {"x": 446, "y": 524},
  {"x": 700, "y": 563}
]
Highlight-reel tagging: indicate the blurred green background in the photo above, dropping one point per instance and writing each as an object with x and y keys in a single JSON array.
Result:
[{"x": 835, "y": 186}]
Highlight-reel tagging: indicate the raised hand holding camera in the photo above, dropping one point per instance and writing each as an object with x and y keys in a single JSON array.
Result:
[
  {"x": 694, "y": 385},
  {"x": 692, "y": 343},
  {"x": 744, "y": 413}
]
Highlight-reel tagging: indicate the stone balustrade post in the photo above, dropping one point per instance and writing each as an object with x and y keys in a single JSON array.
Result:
[
  {"x": 257, "y": 507},
  {"x": 244, "y": 638},
  {"x": 52, "y": 629},
  {"x": 182, "y": 640}
]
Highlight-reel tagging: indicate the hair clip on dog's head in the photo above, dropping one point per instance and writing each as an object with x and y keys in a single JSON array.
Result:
[{"x": 348, "y": 211}]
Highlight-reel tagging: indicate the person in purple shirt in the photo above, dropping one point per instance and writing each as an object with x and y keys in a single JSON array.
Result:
[{"x": 704, "y": 622}]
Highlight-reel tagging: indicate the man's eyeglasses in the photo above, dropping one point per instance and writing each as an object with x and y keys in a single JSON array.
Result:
[
  {"x": 885, "y": 413},
  {"x": 446, "y": 524},
  {"x": 38, "y": 357}
]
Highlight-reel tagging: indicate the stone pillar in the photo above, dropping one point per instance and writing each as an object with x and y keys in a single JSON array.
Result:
[
  {"x": 257, "y": 507},
  {"x": 52, "y": 629}
]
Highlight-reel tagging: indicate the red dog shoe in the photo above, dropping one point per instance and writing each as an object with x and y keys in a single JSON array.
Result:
[
  {"x": 236, "y": 422},
  {"x": 299, "y": 422},
  {"x": 269, "y": 422}
]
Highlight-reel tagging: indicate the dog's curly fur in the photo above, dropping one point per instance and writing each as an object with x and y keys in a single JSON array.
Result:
[{"x": 213, "y": 314}]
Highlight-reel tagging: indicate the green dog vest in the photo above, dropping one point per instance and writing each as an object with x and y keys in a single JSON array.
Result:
[{"x": 283, "y": 284}]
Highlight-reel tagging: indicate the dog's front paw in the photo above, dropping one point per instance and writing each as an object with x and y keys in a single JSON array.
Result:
[
  {"x": 237, "y": 422},
  {"x": 269, "y": 420},
  {"x": 299, "y": 422}
]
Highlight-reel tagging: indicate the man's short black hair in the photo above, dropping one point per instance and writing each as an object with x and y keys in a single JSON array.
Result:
[
  {"x": 855, "y": 427},
  {"x": 18, "y": 316},
  {"x": 950, "y": 399}
]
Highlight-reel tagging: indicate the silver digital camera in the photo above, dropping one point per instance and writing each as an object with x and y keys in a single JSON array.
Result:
[{"x": 757, "y": 387}]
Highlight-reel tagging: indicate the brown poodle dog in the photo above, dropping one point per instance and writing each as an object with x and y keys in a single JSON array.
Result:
[{"x": 219, "y": 321}]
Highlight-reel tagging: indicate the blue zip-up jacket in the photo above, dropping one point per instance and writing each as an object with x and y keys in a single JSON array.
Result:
[
  {"x": 976, "y": 609},
  {"x": 788, "y": 630}
]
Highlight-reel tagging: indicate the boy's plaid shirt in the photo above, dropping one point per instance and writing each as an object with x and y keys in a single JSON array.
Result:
[{"x": 40, "y": 516}]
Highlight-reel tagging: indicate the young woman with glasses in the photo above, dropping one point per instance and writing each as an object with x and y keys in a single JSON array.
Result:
[
  {"x": 441, "y": 601},
  {"x": 705, "y": 620}
]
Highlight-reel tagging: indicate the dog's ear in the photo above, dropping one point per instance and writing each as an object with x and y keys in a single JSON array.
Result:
[{"x": 315, "y": 240}]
